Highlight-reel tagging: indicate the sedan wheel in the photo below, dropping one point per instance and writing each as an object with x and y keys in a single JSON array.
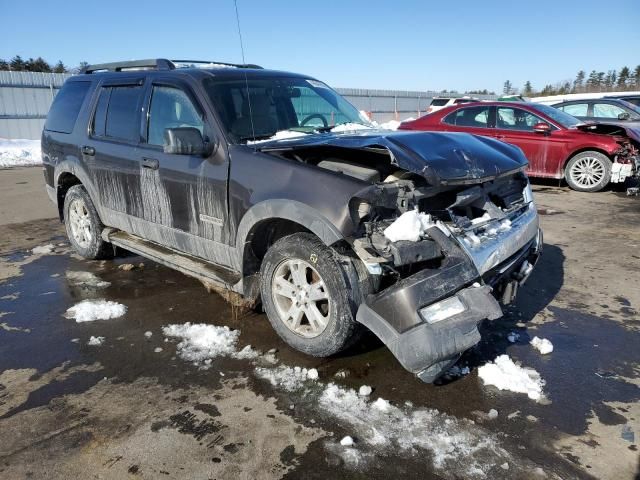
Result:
[{"x": 588, "y": 171}]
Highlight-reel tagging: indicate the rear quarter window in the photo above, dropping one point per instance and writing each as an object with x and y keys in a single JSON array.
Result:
[
  {"x": 66, "y": 107},
  {"x": 439, "y": 102}
]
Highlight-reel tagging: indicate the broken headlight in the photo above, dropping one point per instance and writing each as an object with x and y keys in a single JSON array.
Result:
[{"x": 442, "y": 310}]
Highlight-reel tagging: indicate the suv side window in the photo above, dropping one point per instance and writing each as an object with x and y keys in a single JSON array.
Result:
[
  {"x": 576, "y": 109},
  {"x": 509, "y": 118},
  {"x": 117, "y": 114},
  {"x": 476, "y": 117},
  {"x": 171, "y": 108},
  {"x": 66, "y": 107}
]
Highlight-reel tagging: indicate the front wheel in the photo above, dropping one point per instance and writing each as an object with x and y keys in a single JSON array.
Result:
[
  {"x": 83, "y": 225},
  {"x": 588, "y": 172},
  {"x": 308, "y": 296}
]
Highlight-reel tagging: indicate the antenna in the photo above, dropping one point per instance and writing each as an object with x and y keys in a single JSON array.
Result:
[{"x": 246, "y": 80}]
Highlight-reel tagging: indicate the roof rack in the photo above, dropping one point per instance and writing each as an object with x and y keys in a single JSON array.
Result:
[{"x": 158, "y": 64}]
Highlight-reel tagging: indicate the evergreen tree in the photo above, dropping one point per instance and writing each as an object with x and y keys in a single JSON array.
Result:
[
  {"x": 623, "y": 78},
  {"x": 636, "y": 76},
  {"x": 592, "y": 81},
  {"x": 578, "y": 83},
  {"x": 4, "y": 65},
  {"x": 59, "y": 67},
  {"x": 507, "y": 88},
  {"x": 17, "y": 63},
  {"x": 528, "y": 89}
]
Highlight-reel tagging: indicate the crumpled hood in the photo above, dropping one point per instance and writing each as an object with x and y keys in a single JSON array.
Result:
[
  {"x": 605, "y": 128},
  {"x": 442, "y": 158}
]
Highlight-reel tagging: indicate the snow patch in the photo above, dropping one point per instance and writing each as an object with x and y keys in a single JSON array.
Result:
[
  {"x": 19, "y": 153},
  {"x": 201, "y": 342},
  {"x": 506, "y": 375},
  {"x": 281, "y": 135},
  {"x": 350, "y": 127},
  {"x": 43, "y": 249},
  {"x": 543, "y": 345},
  {"x": 288, "y": 378},
  {"x": 91, "y": 310},
  {"x": 95, "y": 341},
  {"x": 85, "y": 279}
]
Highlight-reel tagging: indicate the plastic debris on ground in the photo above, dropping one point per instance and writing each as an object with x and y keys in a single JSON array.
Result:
[
  {"x": 504, "y": 374},
  {"x": 543, "y": 345},
  {"x": 91, "y": 310}
]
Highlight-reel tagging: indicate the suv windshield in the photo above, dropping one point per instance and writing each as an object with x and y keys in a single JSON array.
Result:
[
  {"x": 564, "y": 119},
  {"x": 278, "y": 104}
]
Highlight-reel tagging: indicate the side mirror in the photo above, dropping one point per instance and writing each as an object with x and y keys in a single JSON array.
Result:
[
  {"x": 185, "y": 141},
  {"x": 542, "y": 127},
  {"x": 624, "y": 116}
]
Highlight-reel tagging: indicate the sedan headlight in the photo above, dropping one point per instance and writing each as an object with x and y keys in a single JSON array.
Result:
[{"x": 442, "y": 310}]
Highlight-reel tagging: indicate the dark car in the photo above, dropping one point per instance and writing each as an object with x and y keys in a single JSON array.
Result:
[
  {"x": 557, "y": 145},
  {"x": 270, "y": 187},
  {"x": 608, "y": 110},
  {"x": 627, "y": 97}
]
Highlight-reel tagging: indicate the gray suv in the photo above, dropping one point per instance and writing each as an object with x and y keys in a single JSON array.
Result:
[{"x": 271, "y": 188}]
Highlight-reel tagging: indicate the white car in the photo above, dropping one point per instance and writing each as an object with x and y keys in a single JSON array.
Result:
[{"x": 438, "y": 103}]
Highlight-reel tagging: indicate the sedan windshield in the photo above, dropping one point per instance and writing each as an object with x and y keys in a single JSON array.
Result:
[
  {"x": 564, "y": 119},
  {"x": 259, "y": 108}
]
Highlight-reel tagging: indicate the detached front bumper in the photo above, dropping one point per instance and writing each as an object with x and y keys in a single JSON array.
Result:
[{"x": 429, "y": 348}]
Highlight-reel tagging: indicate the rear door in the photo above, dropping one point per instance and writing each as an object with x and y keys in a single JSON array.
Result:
[
  {"x": 111, "y": 150},
  {"x": 604, "y": 111},
  {"x": 473, "y": 120},
  {"x": 185, "y": 196},
  {"x": 544, "y": 151},
  {"x": 581, "y": 110}
]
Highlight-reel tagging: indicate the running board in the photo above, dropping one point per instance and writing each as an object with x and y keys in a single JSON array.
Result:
[{"x": 214, "y": 276}]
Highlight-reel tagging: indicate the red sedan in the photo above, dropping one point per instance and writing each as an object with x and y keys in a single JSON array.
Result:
[{"x": 557, "y": 145}]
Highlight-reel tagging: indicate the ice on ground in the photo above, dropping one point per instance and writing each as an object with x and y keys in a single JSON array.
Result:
[
  {"x": 85, "y": 279},
  {"x": 95, "y": 341},
  {"x": 365, "y": 391},
  {"x": 281, "y": 135},
  {"x": 513, "y": 337},
  {"x": 247, "y": 353},
  {"x": 543, "y": 345},
  {"x": 91, "y": 310},
  {"x": 346, "y": 441},
  {"x": 43, "y": 249},
  {"x": 200, "y": 342},
  {"x": 506, "y": 375},
  {"x": 19, "y": 153},
  {"x": 409, "y": 226},
  {"x": 288, "y": 378}
]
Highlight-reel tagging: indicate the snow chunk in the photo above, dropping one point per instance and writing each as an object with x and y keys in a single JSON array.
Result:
[
  {"x": 281, "y": 135},
  {"x": 148, "y": 334},
  {"x": 346, "y": 441},
  {"x": 506, "y": 375},
  {"x": 91, "y": 310},
  {"x": 350, "y": 127},
  {"x": 381, "y": 404},
  {"x": 95, "y": 341},
  {"x": 365, "y": 391},
  {"x": 157, "y": 350},
  {"x": 85, "y": 279},
  {"x": 390, "y": 125},
  {"x": 200, "y": 342},
  {"x": 247, "y": 353},
  {"x": 543, "y": 345},
  {"x": 409, "y": 226},
  {"x": 493, "y": 414},
  {"x": 484, "y": 218},
  {"x": 43, "y": 250},
  {"x": 289, "y": 378},
  {"x": 19, "y": 153}
]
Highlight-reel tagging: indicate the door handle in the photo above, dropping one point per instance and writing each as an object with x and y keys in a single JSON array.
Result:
[
  {"x": 150, "y": 163},
  {"x": 86, "y": 150}
]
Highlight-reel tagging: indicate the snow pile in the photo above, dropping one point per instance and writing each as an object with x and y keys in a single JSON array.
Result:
[
  {"x": 43, "y": 250},
  {"x": 288, "y": 378},
  {"x": 365, "y": 391},
  {"x": 201, "y": 342},
  {"x": 95, "y": 341},
  {"x": 453, "y": 443},
  {"x": 506, "y": 375},
  {"x": 19, "y": 153},
  {"x": 543, "y": 345},
  {"x": 409, "y": 226},
  {"x": 90, "y": 310},
  {"x": 85, "y": 279},
  {"x": 281, "y": 135},
  {"x": 350, "y": 127}
]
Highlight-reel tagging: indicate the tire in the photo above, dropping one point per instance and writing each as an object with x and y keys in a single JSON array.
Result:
[
  {"x": 588, "y": 171},
  {"x": 83, "y": 225},
  {"x": 331, "y": 280}
]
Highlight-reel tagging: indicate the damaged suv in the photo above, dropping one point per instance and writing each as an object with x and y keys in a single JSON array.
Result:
[{"x": 269, "y": 187}]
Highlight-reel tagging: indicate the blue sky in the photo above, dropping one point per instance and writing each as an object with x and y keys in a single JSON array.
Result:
[{"x": 411, "y": 45}]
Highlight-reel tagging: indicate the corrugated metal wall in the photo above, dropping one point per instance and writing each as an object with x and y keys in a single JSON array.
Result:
[{"x": 25, "y": 98}]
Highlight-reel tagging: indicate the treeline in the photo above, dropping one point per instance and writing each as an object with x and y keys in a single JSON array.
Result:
[
  {"x": 611, "y": 81},
  {"x": 18, "y": 64}
]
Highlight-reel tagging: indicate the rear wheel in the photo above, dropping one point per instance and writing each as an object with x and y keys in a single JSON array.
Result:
[
  {"x": 308, "y": 295},
  {"x": 83, "y": 225},
  {"x": 588, "y": 171}
]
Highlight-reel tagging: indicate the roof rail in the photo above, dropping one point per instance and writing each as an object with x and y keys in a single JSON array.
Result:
[
  {"x": 203, "y": 63},
  {"x": 149, "y": 64}
]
